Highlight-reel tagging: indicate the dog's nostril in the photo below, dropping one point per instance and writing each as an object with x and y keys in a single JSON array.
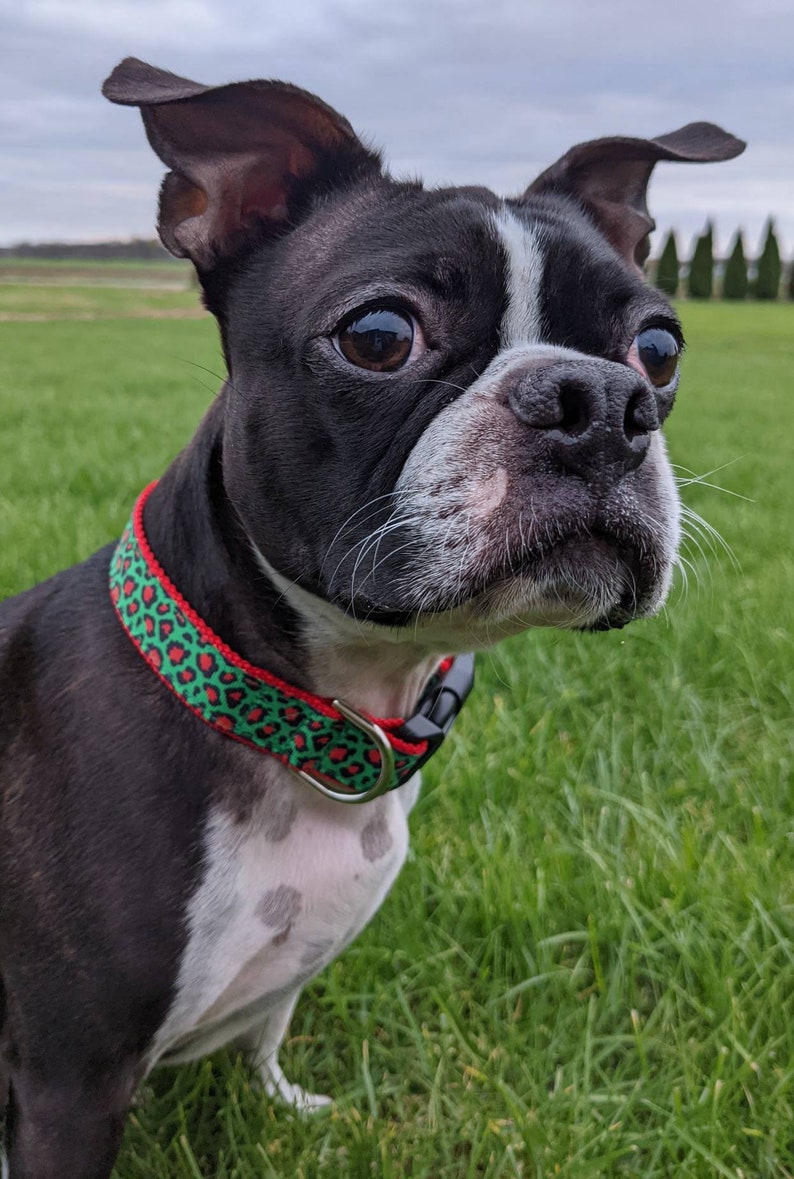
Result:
[
  {"x": 640, "y": 416},
  {"x": 574, "y": 408}
]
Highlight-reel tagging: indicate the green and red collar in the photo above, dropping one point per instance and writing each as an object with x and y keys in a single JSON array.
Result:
[{"x": 346, "y": 754}]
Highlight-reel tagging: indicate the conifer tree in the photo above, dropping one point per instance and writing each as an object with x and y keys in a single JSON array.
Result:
[
  {"x": 701, "y": 268},
  {"x": 767, "y": 282},
  {"x": 735, "y": 284},
  {"x": 667, "y": 270}
]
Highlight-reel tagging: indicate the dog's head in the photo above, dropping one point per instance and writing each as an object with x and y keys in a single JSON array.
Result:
[{"x": 443, "y": 408}]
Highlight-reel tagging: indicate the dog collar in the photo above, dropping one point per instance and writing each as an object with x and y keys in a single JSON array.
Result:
[{"x": 344, "y": 753}]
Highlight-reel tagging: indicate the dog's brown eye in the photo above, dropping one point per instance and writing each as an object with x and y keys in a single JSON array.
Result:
[
  {"x": 381, "y": 340},
  {"x": 658, "y": 352}
]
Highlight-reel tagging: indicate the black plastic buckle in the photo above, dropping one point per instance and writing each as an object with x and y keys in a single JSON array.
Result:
[{"x": 441, "y": 702}]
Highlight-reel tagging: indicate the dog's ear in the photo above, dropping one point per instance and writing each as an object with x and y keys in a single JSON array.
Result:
[
  {"x": 240, "y": 155},
  {"x": 610, "y": 178}
]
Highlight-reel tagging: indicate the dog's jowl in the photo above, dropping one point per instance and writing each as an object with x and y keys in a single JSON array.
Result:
[{"x": 441, "y": 424}]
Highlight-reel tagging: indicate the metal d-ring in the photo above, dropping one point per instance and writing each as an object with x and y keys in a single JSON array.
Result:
[{"x": 376, "y": 733}]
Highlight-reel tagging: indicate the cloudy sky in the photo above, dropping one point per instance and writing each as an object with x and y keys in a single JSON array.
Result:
[{"x": 458, "y": 91}]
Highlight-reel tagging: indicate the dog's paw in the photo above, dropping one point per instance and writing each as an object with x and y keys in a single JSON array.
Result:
[
  {"x": 276, "y": 1085},
  {"x": 297, "y": 1097}
]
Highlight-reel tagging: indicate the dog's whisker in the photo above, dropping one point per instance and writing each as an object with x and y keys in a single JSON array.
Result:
[
  {"x": 688, "y": 566},
  {"x": 466, "y": 549},
  {"x": 684, "y": 583},
  {"x": 695, "y": 520},
  {"x": 698, "y": 561},
  {"x": 393, "y": 520},
  {"x": 265, "y": 576},
  {"x": 399, "y": 496},
  {"x": 360, "y": 545},
  {"x": 375, "y": 540},
  {"x": 693, "y": 479},
  {"x": 702, "y": 482},
  {"x": 211, "y": 373},
  {"x": 697, "y": 537},
  {"x": 367, "y": 544},
  {"x": 438, "y": 381},
  {"x": 348, "y": 522},
  {"x": 705, "y": 474},
  {"x": 393, "y": 553},
  {"x": 404, "y": 522}
]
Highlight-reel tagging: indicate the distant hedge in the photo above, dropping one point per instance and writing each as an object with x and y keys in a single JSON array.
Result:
[
  {"x": 700, "y": 284},
  {"x": 736, "y": 283},
  {"x": 767, "y": 280},
  {"x": 668, "y": 268},
  {"x": 138, "y": 249},
  {"x": 734, "y": 277}
]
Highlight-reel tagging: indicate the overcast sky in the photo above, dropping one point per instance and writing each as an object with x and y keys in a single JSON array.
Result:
[{"x": 458, "y": 91}]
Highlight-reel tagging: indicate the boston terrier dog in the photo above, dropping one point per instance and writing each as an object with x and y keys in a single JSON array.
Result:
[{"x": 441, "y": 425}]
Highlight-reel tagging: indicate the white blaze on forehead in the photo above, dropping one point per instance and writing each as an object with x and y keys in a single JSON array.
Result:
[{"x": 522, "y": 322}]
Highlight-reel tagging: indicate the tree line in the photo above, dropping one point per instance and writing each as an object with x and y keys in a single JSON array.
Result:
[
  {"x": 138, "y": 249},
  {"x": 702, "y": 278},
  {"x": 736, "y": 278}
]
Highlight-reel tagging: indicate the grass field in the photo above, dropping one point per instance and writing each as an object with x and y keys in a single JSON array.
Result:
[
  {"x": 70, "y": 270},
  {"x": 587, "y": 966}
]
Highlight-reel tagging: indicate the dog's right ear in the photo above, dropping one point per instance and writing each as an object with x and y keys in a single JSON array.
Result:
[
  {"x": 609, "y": 178},
  {"x": 241, "y": 156}
]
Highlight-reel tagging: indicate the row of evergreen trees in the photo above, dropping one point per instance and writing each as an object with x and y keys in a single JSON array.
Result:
[{"x": 737, "y": 282}]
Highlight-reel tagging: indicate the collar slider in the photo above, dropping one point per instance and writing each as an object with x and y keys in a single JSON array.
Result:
[{"x": 439, "y": 706}]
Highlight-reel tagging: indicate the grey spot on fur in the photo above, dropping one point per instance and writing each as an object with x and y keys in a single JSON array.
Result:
[
  {"x": 376, "y": 838},
  {"x": 280, "y": 906},
  {"x": 280, "y": 814}
]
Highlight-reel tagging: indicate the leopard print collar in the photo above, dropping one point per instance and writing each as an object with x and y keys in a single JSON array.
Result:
[{"x": 345, "y": 754}]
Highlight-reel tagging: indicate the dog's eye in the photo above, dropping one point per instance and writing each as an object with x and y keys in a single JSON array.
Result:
[
  {"x": 657, "y": 351},
  {"x": 380, "y": 340}
]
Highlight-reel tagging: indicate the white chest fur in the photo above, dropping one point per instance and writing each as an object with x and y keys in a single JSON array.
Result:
[{"x": 282, "y": 895}]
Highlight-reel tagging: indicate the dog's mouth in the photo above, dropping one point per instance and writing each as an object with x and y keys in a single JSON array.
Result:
[
  {"x": 586, "y": 580},
  {"x": 591, "y": 580}
]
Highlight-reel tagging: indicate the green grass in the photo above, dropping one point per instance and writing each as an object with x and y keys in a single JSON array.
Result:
[
  {"x": 587, "y": 966},
  {"x": 24, "y": 302},
  {"x": 163, "y": 265}
]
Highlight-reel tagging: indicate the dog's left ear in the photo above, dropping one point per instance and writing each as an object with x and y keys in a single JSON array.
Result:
[
  {"x": 242, "y": 156},
  {"x": 610, "y": 178}
]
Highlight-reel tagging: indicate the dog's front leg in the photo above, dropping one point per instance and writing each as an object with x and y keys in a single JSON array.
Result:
[
  {"x": 65, "y": 1127},
  {"x": 263, "y": 1044}
]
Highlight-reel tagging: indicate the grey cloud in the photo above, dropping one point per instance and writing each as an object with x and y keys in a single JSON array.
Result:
[{"x": 456, "y": 92}]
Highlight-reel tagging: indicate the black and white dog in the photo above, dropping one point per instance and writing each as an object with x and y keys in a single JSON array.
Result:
[{"x": 441, "y": 424}]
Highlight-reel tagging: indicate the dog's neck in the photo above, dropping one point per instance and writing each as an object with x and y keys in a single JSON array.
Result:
[
  {"x": 201, "y": 543},
  {"x": 380, "y": 670}
]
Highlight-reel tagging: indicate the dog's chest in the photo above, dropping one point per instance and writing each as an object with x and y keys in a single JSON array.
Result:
[{"x": 281, "y": 896}]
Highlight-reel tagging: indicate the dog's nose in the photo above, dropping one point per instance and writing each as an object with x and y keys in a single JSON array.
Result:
[{"x": 596, "y": 416}]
